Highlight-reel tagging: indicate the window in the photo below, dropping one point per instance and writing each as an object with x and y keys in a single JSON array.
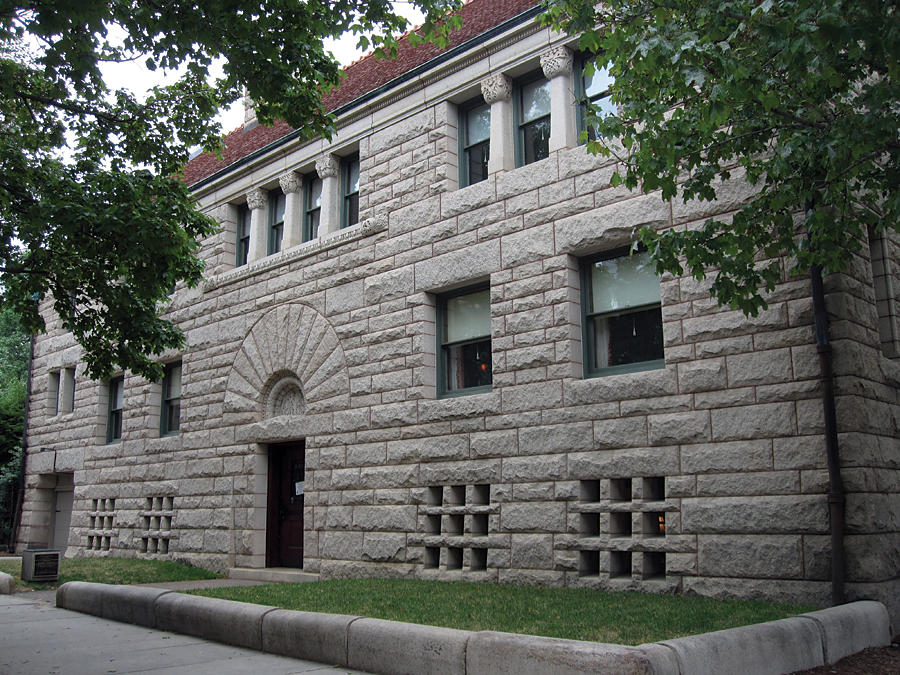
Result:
[
  {"x": 595, "y": 86},
  {"x": 276, "y": 221},
  {"x": 67, "y": 391},
  {"x": 622, "y": 315},
  {"x": 116, "y": 403},
  {"x": 170, "y": 417},
  {"x": 474, "y": 142},
  {"x": 350, "y": 191},
  {"x": 533, "y": 120},
  {"x": 464, "y": 339},
  {"x": 312, "y": 208},
  {"x": 53, "y": 393},
  {"x": 243, "y": 236}
]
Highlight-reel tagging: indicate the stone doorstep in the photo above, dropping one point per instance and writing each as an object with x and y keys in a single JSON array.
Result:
[
  {"x": 275, "y": 575},
  {"x": 773, "y": 648}
]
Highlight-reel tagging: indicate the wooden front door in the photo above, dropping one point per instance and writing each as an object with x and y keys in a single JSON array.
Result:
[{"x": 287, "y": 484}]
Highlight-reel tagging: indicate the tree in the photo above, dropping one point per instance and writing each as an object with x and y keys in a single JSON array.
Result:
[
  {"x": 93, "y": 214},
  {"x": 803, "y": 95},
  {"x": 14, "y": 353}
]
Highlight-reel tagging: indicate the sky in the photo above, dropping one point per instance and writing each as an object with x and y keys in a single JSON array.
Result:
[{"x": 135, "y": 76}]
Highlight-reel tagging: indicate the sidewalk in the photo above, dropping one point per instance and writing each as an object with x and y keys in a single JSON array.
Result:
[{"x": 37, "y": 638}]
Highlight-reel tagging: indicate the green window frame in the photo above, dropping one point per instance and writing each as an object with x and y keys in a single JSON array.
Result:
[
  {"x": 474, "y": 141},
  {"x": 350, "y": 191},
  {"x": 277, "y": 201},
  {"x": 312, "y": 207},
  {"x": 242, "y": 247},
  {"x": 170, "y": 410},
  {"x": 621, "y": 313},
  {"x": 463, "y": 332},
  {"x": 532, "y": 118},
  {"x": 116, "y": 407},
  {"x": 593, "y": 87}
]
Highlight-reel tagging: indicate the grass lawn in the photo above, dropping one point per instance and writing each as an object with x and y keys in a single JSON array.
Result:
[
  {"x": 574, "y": 614},
  {"x": 109, "y": 571}
]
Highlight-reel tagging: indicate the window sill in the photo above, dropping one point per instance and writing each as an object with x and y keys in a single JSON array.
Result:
[
  {"x": 470, "y": 391},
  {"x": 304, "y": 250},
  {"x": 642, "y": 367}
]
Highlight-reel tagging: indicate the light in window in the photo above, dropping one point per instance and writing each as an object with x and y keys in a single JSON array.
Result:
[
  {"x": 534, "y": 124},
  {"x": 465, "y": 335},
  {"x": 623, "y": 319}
]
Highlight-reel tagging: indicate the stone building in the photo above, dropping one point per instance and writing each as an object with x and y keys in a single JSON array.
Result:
[{"x": 422, "y": 350}]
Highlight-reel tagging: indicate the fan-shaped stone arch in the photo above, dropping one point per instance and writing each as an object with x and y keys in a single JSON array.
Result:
[{"x": 293, "y": 346}]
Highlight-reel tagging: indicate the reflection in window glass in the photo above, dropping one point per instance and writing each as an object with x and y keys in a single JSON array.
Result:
[
  {"x": 477, "y": 144},
  {"x": 116, "y": 404},
  {"x": 276, "y": 230},
  {"x": 534, "y": 125},
  {"x": 171, "y": 407},
  {"x": 313, "y": 209},
  {"x": 623, "y": 313},
  {"x": 350, "y": 180},
  {"x": 243, "y": 242},
  {"x": 596, "y": 86}
]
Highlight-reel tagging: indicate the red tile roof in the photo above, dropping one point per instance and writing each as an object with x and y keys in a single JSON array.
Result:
[{"x": 362, "y": 77}]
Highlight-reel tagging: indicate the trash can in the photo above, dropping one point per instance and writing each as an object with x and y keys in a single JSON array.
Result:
[{"x": 40, "y": 564}]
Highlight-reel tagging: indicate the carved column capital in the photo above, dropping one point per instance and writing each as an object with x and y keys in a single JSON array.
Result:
[
  {"x": 327, "y": 166},
  {"x": 496, "y": 88},
  {"x": 557, "y": 61},
  {"x": 290, "y": 182},
  {"x": 257, "y": 198}
]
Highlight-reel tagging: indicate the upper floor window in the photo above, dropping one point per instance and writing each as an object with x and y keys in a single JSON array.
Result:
[
  {"x": 116, "y": 405},
  {"x": 170, "y": 413},
  {"x": 532, "y": 98},
  {"x": 464, "y": 341},
  {"x": 350, "y": 191},
  {"x": 475, "y": 142},
  {"x": 277, "y": 201},
  {"x": 242, "y": 250},
  {"x": 312, "y": 208},
  {"x": 594, "y": 87},
  {"x": 622, "y": 313}
]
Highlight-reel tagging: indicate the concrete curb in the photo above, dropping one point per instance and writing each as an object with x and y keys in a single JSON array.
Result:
[{"x": 393, "y": 648}]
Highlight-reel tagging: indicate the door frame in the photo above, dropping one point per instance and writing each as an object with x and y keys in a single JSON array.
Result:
[{"x": 273, "y": 497}]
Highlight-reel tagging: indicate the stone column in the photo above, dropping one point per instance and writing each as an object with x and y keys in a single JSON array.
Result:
[
  {"x": 292, "y": 187},
  {"x": 329, "y": 169},
  {"x": 557, "y": 66},
  {"x": 497, "y": 92},
  {"x": 258, "y": 203}
]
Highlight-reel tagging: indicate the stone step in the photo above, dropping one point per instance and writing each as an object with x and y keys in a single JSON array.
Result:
[{"x": 280, "y": 575}]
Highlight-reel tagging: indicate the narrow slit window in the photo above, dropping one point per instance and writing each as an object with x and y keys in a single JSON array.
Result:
[
  {"x": 116, "y": 406},
  {"x": 171, "y": 408}
]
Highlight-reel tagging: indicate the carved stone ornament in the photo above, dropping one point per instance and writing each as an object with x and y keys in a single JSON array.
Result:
[
  {"x": 327, "y": 166},
  {"x": 285, "y": 398},
  {"x": 496, "y": 88},
  {"x": 290, "y": 182},
  {"x": 557, "y": 61},
  {"x": 257, "y": 198}
]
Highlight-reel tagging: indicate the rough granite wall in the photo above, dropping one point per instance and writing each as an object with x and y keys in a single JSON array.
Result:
[{"x": 550, "y": 478}]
